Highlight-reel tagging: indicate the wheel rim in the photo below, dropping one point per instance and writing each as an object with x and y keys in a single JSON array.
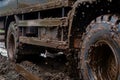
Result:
[
  {"x": 11, "y": 47},
  {"x": 102, "y": 62}
]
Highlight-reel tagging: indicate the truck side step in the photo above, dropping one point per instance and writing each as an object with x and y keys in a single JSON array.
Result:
[{"x": 38, "y": 42}]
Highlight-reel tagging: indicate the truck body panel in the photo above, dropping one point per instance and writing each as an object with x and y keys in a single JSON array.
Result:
[
  {"x": 28, "y": 3},
  {"x": 10, "y": 7},
  {"x": 7, "y": 5}
]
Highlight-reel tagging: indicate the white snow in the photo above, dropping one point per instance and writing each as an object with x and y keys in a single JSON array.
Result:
[{"x": 3, "y": 50}]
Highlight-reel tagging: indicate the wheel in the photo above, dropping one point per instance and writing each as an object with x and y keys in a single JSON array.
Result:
[
  {"x": 12, "y": 45},
  {"x": 100, "y": 49},
  {"x": 19, "y": 52}
]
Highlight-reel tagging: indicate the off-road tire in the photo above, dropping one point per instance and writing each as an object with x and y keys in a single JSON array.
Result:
[
  {"x": 100, "y": 50},
  {"x": 12, "y": 43}
]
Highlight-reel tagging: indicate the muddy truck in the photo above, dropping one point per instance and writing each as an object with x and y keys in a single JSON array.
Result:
[{"x": 87, "y": 32}]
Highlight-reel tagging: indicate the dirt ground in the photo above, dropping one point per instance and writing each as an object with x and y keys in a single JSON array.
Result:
[
  {"x": 7, "y": 71},
  {"x": 45, "y": 68}
]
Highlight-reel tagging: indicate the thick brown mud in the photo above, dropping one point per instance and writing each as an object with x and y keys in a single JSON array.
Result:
[{"x": 44, "y": 68}]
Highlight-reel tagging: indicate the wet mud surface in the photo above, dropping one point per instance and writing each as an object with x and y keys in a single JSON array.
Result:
[
  {"x": 44, "y": 68},
  {"x": 7, "y": 70}
]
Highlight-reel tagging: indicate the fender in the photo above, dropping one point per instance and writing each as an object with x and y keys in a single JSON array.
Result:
[{"x": 82, "y": 13}]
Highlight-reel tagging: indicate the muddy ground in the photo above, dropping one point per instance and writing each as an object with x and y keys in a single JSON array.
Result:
[{"x": 45, "y": 68}]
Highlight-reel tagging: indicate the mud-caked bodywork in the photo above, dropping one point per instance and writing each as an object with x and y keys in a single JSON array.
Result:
[{"x": 86, "y": 31}]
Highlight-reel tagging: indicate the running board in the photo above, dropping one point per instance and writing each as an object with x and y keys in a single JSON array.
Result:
[{"x": 45, "y": 43}]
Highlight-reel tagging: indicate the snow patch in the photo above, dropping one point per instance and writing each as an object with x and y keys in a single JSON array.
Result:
[{"x": 3, "y": 50}]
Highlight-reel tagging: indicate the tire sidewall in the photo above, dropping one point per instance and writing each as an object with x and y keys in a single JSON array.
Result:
[
  {"x": 98, "y": 32},
  {"x": 12, "y": 31}
]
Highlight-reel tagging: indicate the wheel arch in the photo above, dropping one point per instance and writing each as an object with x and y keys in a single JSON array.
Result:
[{"x": 82, "y": 13}]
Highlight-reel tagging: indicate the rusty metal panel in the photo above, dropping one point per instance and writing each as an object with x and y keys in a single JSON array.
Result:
[{"x": 46, "y": 43}]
